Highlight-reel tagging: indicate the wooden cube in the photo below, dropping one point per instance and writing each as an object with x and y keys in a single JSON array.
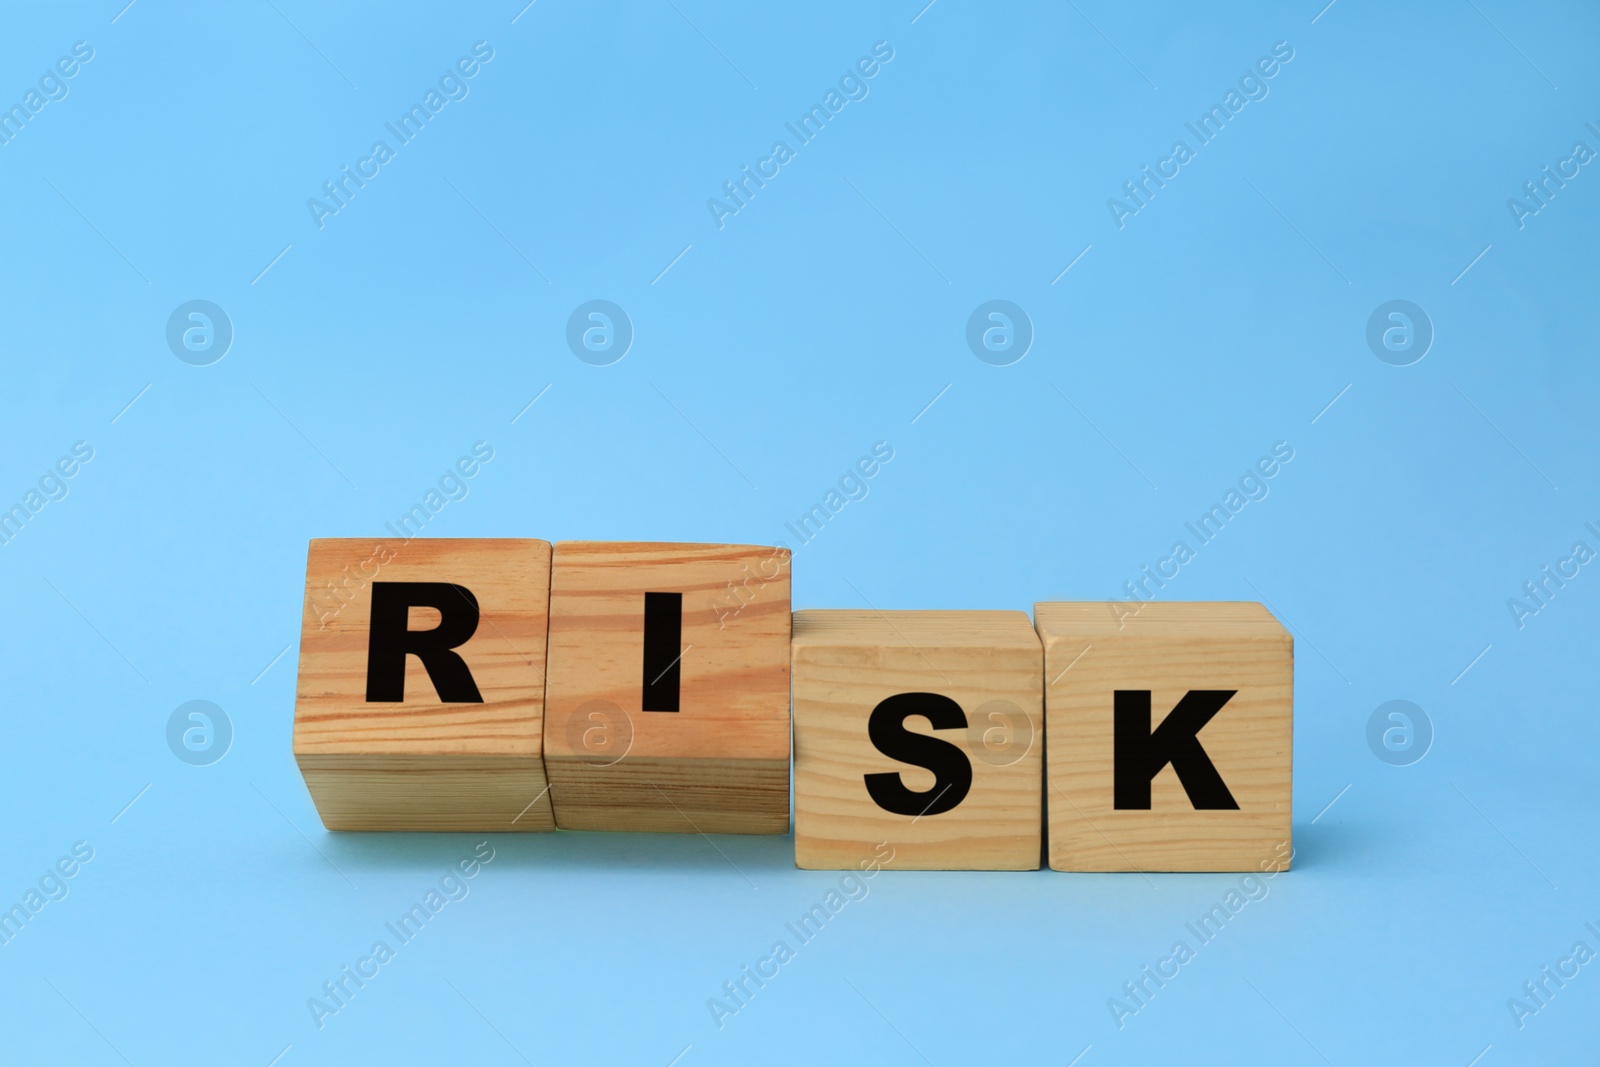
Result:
[
  {"x": 922, "y": 730},
  {"x": 421, "y": 694},
  {"x": 668, "y": 700},
  {"x": 1171, "y": 736}
]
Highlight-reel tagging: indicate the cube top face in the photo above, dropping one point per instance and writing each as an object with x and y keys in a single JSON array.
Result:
[
  {"x": 497, "y": 648},
  {"x": 996, "y": 630},
  {"x": 1237, "y": 618},
  {"x": 668, "y": 695},
  {"x": 919, "y": 729},
  {"x": 1126, "y": 790}
]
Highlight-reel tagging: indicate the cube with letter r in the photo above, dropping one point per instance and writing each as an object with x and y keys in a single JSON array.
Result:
[{"x": 420, "y": 701}]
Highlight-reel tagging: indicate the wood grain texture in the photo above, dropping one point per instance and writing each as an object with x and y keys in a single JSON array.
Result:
[
  {"x": 1091, "y": 650},
  {"x": 423, "y": 764},
  {"x": 845, "y": 664},
  {"x": 720, "y": 764}
]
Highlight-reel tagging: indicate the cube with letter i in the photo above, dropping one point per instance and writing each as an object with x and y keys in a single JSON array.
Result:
[
  {"x": 1171, "y": 736},
  {"x": 668, "y": 702},
  {"x": 919, "y": 730}
]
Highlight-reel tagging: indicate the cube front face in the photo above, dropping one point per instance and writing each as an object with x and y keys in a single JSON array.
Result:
[
  {"x": 667, "y": 707},
  {"x": 919, "y": 730},
  {"x": 420, "y": 701},
  {"x": 1208, "y": 790}
]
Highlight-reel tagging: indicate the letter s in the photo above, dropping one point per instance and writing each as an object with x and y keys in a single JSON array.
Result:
[{"x": 951, "y": 768}]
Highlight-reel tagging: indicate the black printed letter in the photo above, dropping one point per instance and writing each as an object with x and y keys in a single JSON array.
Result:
[
  {"x": 1139, "y": 753},
  {"x": 389, "y": 641},
  {"x": 950, "y": 766},
  {"x": 663, "y": 650}
]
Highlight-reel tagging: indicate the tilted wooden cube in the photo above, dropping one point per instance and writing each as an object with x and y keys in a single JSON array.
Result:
[
  {"x": 421, "y": 691},
  {"x": 1171, "y": 736},
  {"x": 667, "y": 707},
  {"x": 922, "y": 730}
]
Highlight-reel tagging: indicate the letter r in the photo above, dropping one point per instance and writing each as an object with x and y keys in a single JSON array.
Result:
[{"x": 389, "y": 640}]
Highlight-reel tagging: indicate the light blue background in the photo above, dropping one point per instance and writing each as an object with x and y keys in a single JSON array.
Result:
[{"x": 822, "y": 318}]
